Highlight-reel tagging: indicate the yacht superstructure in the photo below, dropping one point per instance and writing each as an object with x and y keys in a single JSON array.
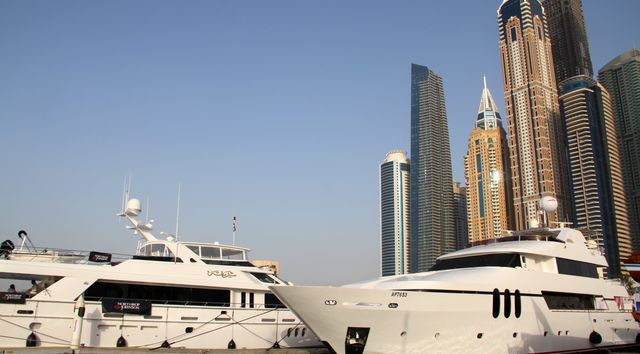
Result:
[
  {"x": 539, "y": 291},
  {"x": 171, "y": 293}
]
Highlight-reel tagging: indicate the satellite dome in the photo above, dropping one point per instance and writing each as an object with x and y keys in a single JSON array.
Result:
[
  {"x": 134, "y": 207},
  {"x": 549, "y": 203}
]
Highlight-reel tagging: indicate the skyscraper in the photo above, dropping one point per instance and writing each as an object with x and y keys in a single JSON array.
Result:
[
  {"x": 621, "y": 77},
  {"x": 486, "y": 169},
  {"x": 597, "y": 185},
  {"x": 432, "y": 224},
  {"x": 535, "y": 141},
  {"x": 460, "y": 215},
  {"x": 568, "y": 38},
  {"x": 394, "y": 214}
]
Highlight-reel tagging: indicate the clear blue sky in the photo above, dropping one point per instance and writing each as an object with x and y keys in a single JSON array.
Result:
[{"x": 278, "y": 112}]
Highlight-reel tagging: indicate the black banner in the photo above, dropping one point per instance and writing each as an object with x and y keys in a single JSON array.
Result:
[
  {"x": 99, "y": 257},
  {"x": 13, "y": 298},
  {"x": 138, "y": 307}
]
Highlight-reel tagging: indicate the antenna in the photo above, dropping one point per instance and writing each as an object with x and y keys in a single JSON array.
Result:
[
  {"x": 148, "y": 207},
  {"x": 125, "y": 193},
  {"x": 178, "y": 211}
]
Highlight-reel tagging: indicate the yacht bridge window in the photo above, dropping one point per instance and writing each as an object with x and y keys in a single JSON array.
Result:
[
  {"x": 155, "y": 250},
  {"x": 510, "y": 260}
]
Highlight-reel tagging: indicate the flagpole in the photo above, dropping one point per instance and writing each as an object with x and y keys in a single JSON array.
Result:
[{"x": 234, "y": 231}]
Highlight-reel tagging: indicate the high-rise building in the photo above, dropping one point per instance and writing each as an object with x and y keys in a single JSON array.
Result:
[
  {"x": 432, "y": 224},
  {"x": 569, "y": 42},
  {"x": 597, "y": 185},
  {"x": 533, "y": 124},
  {"x": 394, "y": 214},
  {"x": 486, "y": 170},
  {"x": 460, "y": 215},
  {"x": 621, "y": 77}
]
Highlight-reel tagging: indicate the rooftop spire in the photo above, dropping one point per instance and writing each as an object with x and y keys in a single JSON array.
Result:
[{"x": 488, "y": 116}]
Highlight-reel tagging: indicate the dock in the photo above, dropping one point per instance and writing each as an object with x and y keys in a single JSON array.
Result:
[{"x": 160, "y": 351}]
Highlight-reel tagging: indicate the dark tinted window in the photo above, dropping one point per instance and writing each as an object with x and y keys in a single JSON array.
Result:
[
  {"x": 489, "y": 260},
  {"x": 568, "y": 301},
  {"x": 159, "y": 294},
  {"x": 272, "y": 302},
  {"x": 496, "y": 303},
  {"x": 507, "y": 303},
  {"x": 571, "y": 267},
  {"x": 265, "y": 278}
]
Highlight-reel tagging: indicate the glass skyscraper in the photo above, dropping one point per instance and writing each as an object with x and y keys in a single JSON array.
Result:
[
  {"x": 597, "y": 185},
  {"x": 568, "y": 38},
  {"x": 621, "y": 77},
  {"x": 394, "y": 214},
  {"x": 432, "y": 220}
]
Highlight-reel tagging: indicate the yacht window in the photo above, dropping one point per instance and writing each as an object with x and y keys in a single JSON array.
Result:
[
  {"x": 263, "y": 277},
  {"x": 272, "y": 302},
  {"x": 488, "y": 260},
  {"x": 145, "y": 251},
  {"x": 232, "y": 254},
  {"x": 159, "y": 294},
  {"x": 571, "y": 267},
  {"x": 157, "y": 250},
  {"x": 195, "y": 249},
  {"x": 568, "y": 301},
  {"x": 210, "y": 252}
]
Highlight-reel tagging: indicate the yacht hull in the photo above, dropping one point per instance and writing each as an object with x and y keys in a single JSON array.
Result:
[
  {"x": 380, "y": 321},
  {"x": 193, "y": 327}
]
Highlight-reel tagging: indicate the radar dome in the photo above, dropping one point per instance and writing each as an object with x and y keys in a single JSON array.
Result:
[
  {"x": 549, "y": 204},
  {"x": 134, "y": 207}
]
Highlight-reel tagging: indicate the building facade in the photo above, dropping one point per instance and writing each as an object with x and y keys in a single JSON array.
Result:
[
  {"x": 432, "y": 224},
  {"x": 569, "y": 42},
  {"x": 486, "y": 170},
  {"x": 597, "y": 184},
  {"x": 621, "y": 78},
  {"x": 460, "y": 215},
  {"x": 536, "y": 145},
  {"x": 394, "y": 214}
]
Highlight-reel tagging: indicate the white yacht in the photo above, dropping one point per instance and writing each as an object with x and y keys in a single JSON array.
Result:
[
  {"x": 170, "y": 294},
  {"x": 540, "y": 291}
]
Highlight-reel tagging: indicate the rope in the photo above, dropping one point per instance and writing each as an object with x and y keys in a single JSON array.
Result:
[{"x": 173, "y": 341}]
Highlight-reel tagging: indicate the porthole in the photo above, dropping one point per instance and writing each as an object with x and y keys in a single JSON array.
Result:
[
  {"x": 515, "y": 334},
  {"x": 296, "y": 333},
  {"x": 403, "y": 334},
  {"x": 304, "y": 331},
  {"x": 188, "y": 330},
  {"x": 479, "y": 336}
]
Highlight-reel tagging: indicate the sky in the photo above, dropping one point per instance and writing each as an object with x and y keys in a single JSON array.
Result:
[{"x": 278, "y": 113}]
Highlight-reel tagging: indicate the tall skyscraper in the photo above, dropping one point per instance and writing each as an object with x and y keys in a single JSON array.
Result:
[
  {"x": 394, "y": 214},
  {"x": 535, "y": 141},
  {"x": 597, "y": 185},
  {"x": 432, "y": 224},
  {"x": 486, "y": 170},
  {"x": 568, "y": 38},
  {"x": 621, "y": 77},
  {"x": 460, "y": 215}
]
